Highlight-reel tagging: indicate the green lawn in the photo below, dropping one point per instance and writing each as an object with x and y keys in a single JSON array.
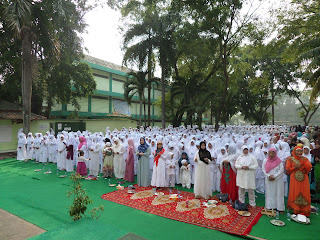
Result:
[{"x": 42, "y": 200}]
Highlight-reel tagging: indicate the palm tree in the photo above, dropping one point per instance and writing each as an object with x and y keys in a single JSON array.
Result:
[
  {"x": 155, "y": 33},
  {"x": 135, "y": 85},
  {"x": 166, "y": 46},
  {"x": 142, "y": 53},
  {"x": 18, "y": 15},
  {"x": 47, "y": 30}
]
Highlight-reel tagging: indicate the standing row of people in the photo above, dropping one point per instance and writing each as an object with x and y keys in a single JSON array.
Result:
[{"x": 233, "y": 160}]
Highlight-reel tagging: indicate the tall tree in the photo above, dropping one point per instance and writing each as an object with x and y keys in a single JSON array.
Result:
[
  {"x": 135, "y": 86},
  {"x": 142, "y": 52},
  {"x": 299, "y": 28},
  {"x": 220, "y": 21},
  {"x": 17, "y": 15},
  {"x": 48, "y": 32}
]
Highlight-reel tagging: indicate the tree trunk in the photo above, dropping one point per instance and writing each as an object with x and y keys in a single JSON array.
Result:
[
  {"x": 272, "y": 106},
  {"x": 177, "y": 119},
  {"x": 199, "y": 120},
  {"x": 140, "y": 120},
  {"x": 144, "y": 112},
  {"x": 26, "y": 81},
  {"x": 223, "y": 53},
  {"x": 305, "y": 121},
  {"x": 49, "y": 107},
  {"x": 163, "y": 100},
  {"x": 217, "y": 120},
  {"x": 211, "y": 113},
  {"x": 149, "y": 85},
  {"x": 189, "y": 118}
]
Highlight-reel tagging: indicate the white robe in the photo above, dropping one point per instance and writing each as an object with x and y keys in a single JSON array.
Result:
[
  {"x": 52, "y": 150},
  {"x": 217, "y": 173},
  {"x": 171, "y": 172},
  {"x": 191, "y": 154},
  {"x": 30, "y": 141},
  {"x": 95, "y": 159},
  {"x": 159, "y": 172},
  {"x": 119, "y": 162},
  {"x": 246, "y": 178},
  {"x": 21, "y": 150},
  {"x": 62, "y": 155},
  {"x": 274, "y": 190},
  {"x": 202, "y": 183},
  {"x": 43, "y": 152},
  {"x": 260, "y": 183},
  {"x": 36, "y": 148},
  {"x": 185, "y": 176}
]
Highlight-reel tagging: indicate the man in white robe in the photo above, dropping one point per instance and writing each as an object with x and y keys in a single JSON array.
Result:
[{"x": 246, "y": 165}]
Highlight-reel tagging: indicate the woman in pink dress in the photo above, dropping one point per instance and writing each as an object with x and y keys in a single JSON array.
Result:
[{"x": 129, "y": 171}]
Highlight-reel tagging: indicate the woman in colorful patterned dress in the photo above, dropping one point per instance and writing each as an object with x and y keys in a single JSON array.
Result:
[{"x": 298, "y": 167}]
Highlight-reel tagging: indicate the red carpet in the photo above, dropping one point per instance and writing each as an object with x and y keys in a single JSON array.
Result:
[{"x": 222, "y": 217}]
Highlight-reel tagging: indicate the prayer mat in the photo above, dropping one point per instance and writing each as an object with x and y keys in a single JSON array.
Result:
[{"x": 222, "y": 217}]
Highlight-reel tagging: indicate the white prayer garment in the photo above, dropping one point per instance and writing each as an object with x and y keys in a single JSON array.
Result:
[
  {"x": 246, "y": 177},
  {"x": 21, "y": 149},
  {"x": 119, "y": 161},
  {"x": 30, "y": 141}
]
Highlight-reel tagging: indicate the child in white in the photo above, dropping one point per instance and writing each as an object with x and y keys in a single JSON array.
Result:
[
  {"x": 185, "y": 174},
  {"x": 43, "y": 151},
  {"x": 170, "y": 170},
  {"x": 30, "y": 141},
  {"x": 222, "y": 155},
  {"x": 52, "y": 149},
  {"x": 36, "y": 146}
]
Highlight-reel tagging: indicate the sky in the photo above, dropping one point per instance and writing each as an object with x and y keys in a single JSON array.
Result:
[{"x": 103, "y": 39}]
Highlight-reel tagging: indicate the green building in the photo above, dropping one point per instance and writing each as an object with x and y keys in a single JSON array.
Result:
[
  {"x": 108, "y": 99},
  {"x": 106, "y": 108}
]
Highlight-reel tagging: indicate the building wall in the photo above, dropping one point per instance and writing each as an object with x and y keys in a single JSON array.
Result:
[
  {"x": 42, "y": 126},
  {"x": 83, "y": 102},
  {"x": 109, "y": 87},
  {"x": 99, "y": 105},
  {"x": 36, "y": 126}
]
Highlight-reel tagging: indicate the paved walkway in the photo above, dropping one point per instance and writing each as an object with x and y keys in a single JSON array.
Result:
[{"x": 15, "y": 228}]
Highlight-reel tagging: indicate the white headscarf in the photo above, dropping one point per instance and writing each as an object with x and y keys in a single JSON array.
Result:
[
  {"x": 117, "y": 145},
  {"x": 307, "y": 155}
]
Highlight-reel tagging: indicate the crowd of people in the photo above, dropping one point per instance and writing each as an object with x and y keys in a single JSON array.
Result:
[{"x": 271, "y": 160}]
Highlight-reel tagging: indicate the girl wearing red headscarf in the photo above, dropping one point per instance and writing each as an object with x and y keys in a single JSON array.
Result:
[{"x": 298, "y": 167}]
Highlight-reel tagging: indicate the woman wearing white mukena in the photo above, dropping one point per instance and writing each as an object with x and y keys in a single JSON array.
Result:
[
  {"x": 273, "y": 169},
  {"x": 62, "y": 152},
  {"x": 246, "y": 165},
  {"x": 159, "y": 167},
  {"x": 118, "y": 159},
  {"x": 21, "y": 150}
]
